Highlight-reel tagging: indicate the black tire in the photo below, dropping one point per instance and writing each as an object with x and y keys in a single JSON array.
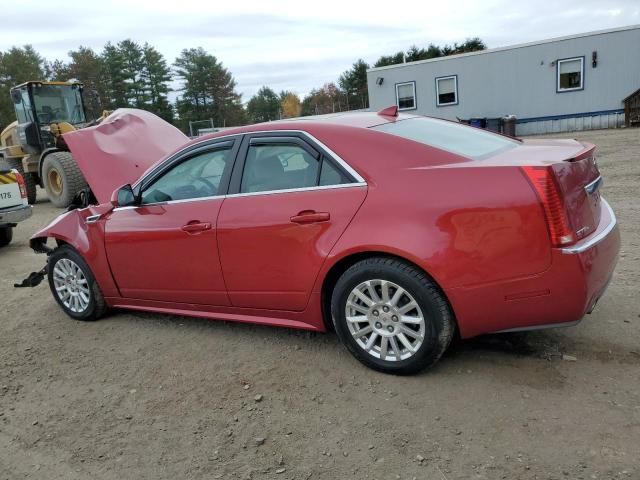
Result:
[
  {"x": 6, "y": 235},
  {"x": 61, "y": 165},
  {"x": 96, "y": 306},
  {"x": 29, "y": 179},
  {"x": 439, "y": 321}
]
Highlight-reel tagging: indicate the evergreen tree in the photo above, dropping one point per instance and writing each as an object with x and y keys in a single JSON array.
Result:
[
  {"x": 208, "y": 90},
  {"x": 390, "y": 60},
  {"x": 156, "y": 76},
  {"x": 353, "y": 83},
  {"x": 17, "y": 65},
  {"x": 264, "y": 106},
  {"x": 116, "y": 89},
  {"x": 133, "y": 66}
]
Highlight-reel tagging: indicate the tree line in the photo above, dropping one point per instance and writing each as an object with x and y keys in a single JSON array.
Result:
[
  {"x": 350, "y": 92},
  {"x": 129, "y": 74}
]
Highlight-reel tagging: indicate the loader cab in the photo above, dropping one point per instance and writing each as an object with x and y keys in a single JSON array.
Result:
[{"x": 38, "y": 105}]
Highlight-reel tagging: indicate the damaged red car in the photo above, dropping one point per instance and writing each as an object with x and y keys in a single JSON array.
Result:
[{"x": 396, "y": 231}]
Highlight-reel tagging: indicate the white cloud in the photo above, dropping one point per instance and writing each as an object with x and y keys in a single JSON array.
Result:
[{"x": 297, "y": 45}]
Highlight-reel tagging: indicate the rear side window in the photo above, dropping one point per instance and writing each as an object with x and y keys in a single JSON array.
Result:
[
  {"x": 330, "y": 175},
  {"x": 278, "y": 167},
  {"x": 281, "y": 166},
  {"x": 456, "y": 138}
]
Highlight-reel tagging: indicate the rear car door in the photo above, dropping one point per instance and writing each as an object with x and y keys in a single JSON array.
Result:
[
  {"x": 165, "y": 249},
  {"x": 289, "y": 201}
]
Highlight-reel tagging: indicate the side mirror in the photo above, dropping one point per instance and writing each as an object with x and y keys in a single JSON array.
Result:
[{"x": 123, "y": 197}]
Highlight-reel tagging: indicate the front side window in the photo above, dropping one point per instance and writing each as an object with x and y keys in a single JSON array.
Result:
[
  {"x": 570, "y": 74},
  {"x": 447, "y": 90},
  {"x": 406, "y": 96},
  {"x": 197, "y": 177},
  {"x": 282, "y": 166}
]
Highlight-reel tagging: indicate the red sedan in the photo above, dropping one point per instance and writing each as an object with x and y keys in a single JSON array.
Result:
[{"x": 395, "y": 230}]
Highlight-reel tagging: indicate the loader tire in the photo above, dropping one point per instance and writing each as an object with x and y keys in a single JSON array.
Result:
[{"x": 62, "y": 178}]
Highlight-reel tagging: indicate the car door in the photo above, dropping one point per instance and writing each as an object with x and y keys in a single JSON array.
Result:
[
  {"x": 165, "y": 248},
  {"x": 288, "y": 204}
]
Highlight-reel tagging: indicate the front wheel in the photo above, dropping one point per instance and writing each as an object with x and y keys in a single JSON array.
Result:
[
  {"x": 391, "y": 316},
  {"x": 74, "y": 286}
]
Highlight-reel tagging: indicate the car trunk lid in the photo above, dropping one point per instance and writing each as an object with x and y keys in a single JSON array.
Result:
[
  {"x": 569, "y": 171},
  {"x": 121, "y": 148}
]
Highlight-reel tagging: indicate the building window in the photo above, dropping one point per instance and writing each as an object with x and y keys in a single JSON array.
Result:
[
  {"x": 570, "y": 74},
  {"x": 406, "y": 96},
  {"x": 447, "y": 90}
]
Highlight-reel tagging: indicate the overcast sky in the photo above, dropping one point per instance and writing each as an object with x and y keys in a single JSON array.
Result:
[{"x": 298, "y": 45}]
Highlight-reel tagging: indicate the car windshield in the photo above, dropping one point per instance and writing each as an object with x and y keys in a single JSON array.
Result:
[
  {"x": 454, "y": 137},
  {"x": 58, "y": 103}
]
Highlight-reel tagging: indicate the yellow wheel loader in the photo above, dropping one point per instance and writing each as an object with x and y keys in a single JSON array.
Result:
[{"x": 34, "y": 145}]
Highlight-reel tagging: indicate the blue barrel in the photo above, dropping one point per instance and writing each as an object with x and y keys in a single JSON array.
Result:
[{"x": 478, "y": 122}]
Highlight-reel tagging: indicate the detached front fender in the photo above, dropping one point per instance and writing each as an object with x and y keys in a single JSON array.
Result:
[{"x": 83, "y": 229}]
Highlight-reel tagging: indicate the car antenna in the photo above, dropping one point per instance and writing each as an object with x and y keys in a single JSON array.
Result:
[{"x": 391, "y": 111}]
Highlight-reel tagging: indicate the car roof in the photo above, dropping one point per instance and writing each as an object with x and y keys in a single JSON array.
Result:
[{"x": 360, "y": 119}]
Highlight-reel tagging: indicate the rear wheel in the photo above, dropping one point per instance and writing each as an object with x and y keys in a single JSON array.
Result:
[
  {"x": 6, "y": 235},
  {"x": 391, "y": 316},
  {"x": 62, "y": 178},
  {"x": 74, "y": 286}
]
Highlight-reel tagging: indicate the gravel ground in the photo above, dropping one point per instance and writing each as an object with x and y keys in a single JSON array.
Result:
[{"x": 158, "y": 397}]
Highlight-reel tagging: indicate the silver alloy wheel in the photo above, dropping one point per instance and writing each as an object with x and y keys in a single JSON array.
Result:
[
  {"x": 385, "y": 320},
  {"x": 71, "y": 285}
]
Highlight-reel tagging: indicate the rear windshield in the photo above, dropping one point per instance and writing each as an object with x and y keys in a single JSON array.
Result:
[{"x": 454, "y": 137}]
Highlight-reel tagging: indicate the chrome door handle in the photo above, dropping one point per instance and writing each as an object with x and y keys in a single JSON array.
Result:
[
  {"x": 196, "y": 227},
  {"x": 310, "y": 216}
]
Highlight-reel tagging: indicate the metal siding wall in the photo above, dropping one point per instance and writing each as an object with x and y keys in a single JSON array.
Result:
[
  {"x": 522, "y": 81},
  {"x": 614, "y": 120}
]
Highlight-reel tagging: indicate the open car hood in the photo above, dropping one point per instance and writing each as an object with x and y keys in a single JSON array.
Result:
[{"x": 121, "y": 148}]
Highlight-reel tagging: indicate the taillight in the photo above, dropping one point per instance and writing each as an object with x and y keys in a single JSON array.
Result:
[
  {"x": 22, "y": 185},
  {"x": 544, "y": 183}
]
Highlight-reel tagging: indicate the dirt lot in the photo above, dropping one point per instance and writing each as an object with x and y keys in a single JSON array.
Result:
[{"x": 155, "y": 397}]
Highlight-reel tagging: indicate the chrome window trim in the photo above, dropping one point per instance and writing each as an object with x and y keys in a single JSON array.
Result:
[
  {"x": 597, "y": 238},
  {"x": 293, "y": 190},
  {"x": 360, "y": 181},
  {"x": 247, "y": 194},
  {"x": 337, "y": 158}
]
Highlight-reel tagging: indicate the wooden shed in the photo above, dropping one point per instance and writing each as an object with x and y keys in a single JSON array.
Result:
[{"x": 632, "y": 109}]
